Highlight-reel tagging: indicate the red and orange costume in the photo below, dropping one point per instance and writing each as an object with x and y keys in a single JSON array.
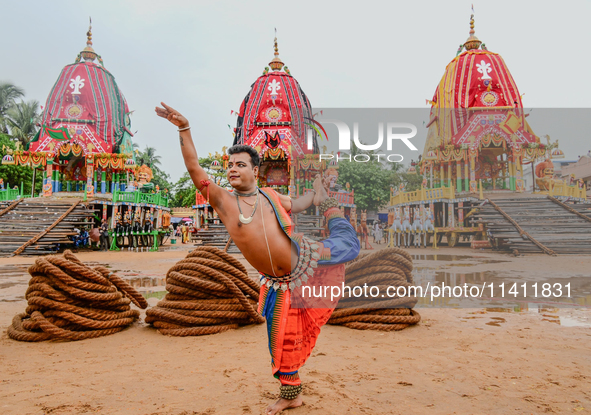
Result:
[{"x": 294, "y": 322}]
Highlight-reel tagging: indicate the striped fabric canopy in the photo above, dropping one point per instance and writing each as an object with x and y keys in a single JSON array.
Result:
[
  {"x": 476, "y": 88},
  {"x": 86, "y": 102},
  {"x": 274, "y": 115}
]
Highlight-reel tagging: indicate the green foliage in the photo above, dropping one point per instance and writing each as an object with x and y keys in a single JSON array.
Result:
[
  {"x": 14, "y": 175},
  {"x": 370, "y": 180},
  {"x": 150, "y": 159},
  {"x": 184, "y": 189},
  {"x": 9, "y": 93},
  {"x": 17, "y": 119},
  {"x": 373, "y": 180},
  {"x": 22, "y": 119},
  {"x": 184, "y": 192},
  {"x": 412, "y": 182},
  {"x": 217, "y": 176},
  {"x": 162, "y": 179}
]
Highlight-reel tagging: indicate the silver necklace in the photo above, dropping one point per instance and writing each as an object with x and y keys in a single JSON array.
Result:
[
  {"x": 241, "y": 217},
  {"x": 237, "y": 193}
]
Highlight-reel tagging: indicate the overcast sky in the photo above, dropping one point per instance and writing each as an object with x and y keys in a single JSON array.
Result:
[{"x": 201, "y": 57}]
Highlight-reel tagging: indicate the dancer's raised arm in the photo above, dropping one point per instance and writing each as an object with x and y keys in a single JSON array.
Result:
[{"x": 197, "y": 173}]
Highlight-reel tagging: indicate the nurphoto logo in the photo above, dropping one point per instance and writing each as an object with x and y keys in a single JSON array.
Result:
[{"x": 392, "y": 131}]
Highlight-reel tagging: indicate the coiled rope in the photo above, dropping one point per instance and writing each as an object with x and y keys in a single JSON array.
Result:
[
  {"x": 208, "y": 292},
  {"x": 68, "y": 300},
  {"x": 390, "y": 267}
]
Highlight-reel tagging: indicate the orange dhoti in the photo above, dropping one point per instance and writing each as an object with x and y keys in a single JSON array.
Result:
[
  {"x": 293, "y": 323},
  {"x": 296, "y": 305}
]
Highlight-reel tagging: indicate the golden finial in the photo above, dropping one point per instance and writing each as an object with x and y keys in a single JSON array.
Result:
[
  {"x": 89, "y": 33},
  {"x": 88, "y": 52},
  {"x": 276, "y": 63},
  {"x": 472, "y": 42}
]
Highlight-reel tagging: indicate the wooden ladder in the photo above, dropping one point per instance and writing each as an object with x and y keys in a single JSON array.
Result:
[
  {"x": 564, "y": 205},
  {"x": 10, "y": 207},
  {"x": 522, "y": 232},
  {"x": 46, "y": 230}
]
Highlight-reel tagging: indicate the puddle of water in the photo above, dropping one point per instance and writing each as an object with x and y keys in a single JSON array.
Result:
[
  {"x": 14, "y": 279},
  {"x": 446, "y": 257},
  {"x": 5, "y": 285},
  {"x": 177, "y": 247},
  {"x": 146, "y": 282},
  {"x": 132, "y": 275},
  {"x": 13, "y": 270},
  {"x": 15, "y": 299},
  {"x": 148, "y": 286},
  {"x": 461, "y": 265},
  {"x": 507, "y": 288},
  {"x": 95, "y": 264},
  {"x": 156, "y": 294}
]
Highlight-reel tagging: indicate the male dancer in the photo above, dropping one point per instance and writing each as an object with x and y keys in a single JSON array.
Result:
[{"x": 259, "y": 222}]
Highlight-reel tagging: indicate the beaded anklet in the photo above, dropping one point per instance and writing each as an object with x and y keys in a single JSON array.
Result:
[{"x": 290, "y": 391}]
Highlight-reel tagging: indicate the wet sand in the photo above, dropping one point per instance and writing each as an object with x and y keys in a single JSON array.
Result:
[{"x": 463, "y": 361}]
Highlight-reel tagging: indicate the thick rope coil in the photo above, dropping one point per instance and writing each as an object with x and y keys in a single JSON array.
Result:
[
  {"x": 384, "y": 268},
  {"x": 208, "y": 292},
  {"x": 68, "y": 300}
]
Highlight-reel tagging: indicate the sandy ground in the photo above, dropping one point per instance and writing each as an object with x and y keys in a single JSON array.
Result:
[{"x": 456, "y": 361}]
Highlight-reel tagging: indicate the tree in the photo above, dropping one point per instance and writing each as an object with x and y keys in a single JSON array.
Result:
[
  {"x": 148, "y": 157},
  {"x": 152, "y": 160},
  {"x": 411, "y": 182},
  {"x": 22, "y": 120},
  {"x": 370, "y": 180},
  {"x": 184, "y": 189},
  {"x": 15, "y": 175},
  {"x": 162, "y": 179},
  {"x": 217, "y": 176},
  {"x": 9, "y": 93},
  {"x": 184, "y": 192}
]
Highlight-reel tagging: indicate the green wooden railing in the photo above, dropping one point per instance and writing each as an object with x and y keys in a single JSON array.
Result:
[
  {"x": 139, "y": 197},
  {"x": 9, "y": 194}
]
